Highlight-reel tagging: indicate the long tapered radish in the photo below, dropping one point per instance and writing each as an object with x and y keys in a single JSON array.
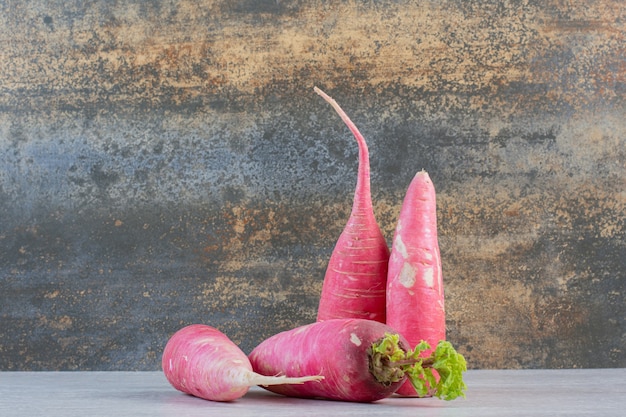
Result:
[
  {"x": 202, "y": 361},
  {"x": 355, "y": 279},
  {"x": 415, "y": 294},
  {"x": 361, "y": 361}
]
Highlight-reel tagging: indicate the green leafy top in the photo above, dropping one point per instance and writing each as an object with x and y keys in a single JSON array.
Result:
[{"x": 389, "y": 363}]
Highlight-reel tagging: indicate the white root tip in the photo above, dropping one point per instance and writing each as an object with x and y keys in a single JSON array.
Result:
[
  {"x": 343, "y": 115},
  {"x": 258, "y": 379}
]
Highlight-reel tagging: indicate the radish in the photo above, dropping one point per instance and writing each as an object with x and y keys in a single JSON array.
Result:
[
  {"x": 415, "y": 296},
  {"x": 361, "y": 361},
  {"x": 202, "y": 361},
  {"x": 355, "y": 279}
]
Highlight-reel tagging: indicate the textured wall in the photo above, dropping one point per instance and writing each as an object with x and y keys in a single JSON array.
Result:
[{"x": 167, "y": 162}]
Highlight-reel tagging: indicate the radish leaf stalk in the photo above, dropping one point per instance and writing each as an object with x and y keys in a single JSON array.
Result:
[{"x": 390, "y": 363}]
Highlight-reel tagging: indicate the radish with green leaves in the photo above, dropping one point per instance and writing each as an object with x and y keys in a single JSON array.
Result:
[
  {"x": 355, "y": 279},
  {"x": 360, "y": 360},
  {"x": 202, "y": 361},
  {"x": 415, "y": 296}
]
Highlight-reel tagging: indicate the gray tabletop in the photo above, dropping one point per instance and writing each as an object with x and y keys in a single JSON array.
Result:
[{"x": 501, "y": 393}]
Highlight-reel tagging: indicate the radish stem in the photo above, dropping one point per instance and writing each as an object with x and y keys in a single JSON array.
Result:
[{"x": 389, "y": 363}]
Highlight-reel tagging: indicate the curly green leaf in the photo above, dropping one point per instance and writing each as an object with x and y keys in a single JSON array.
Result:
[{"x": 390, "y": 363}]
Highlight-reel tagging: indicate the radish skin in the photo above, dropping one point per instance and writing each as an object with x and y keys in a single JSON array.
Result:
[
  {"x": 202, "y": 361},
  {"x": 355, "y": 280},
  {"x": 415, "y": 294},
  {"x": 336, "y": 349}
]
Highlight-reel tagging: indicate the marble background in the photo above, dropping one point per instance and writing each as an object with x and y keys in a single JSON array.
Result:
[{"x": 167, "y": 162}]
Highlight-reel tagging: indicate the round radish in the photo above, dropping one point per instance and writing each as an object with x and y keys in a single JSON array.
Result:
[{"x": 202, "y": 361}]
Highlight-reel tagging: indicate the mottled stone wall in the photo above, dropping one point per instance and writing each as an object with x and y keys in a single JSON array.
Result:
[{"x": 165, "y": 163}]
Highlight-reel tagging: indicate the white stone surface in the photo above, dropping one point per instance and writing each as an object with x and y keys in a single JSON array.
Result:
[{"x": 497, "y": 393}]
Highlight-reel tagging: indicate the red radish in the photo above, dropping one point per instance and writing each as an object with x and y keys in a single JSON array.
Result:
[
  {"x": 355, "y": 280},
  {"x": 361, "y": 361},
  {"x": 202, "y": 361},
  {"x": 415, "y": 296}
]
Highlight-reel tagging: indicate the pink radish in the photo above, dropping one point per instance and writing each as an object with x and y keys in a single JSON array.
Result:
[
  {"x": 415, "y": 296},
  {"x": 202, "y": 361},
  {"x": 361, "y": 361},
  {"x": 355, "y": 280}
]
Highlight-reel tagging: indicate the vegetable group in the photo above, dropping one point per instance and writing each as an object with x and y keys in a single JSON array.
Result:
[
  {"x": 415, "y": 297},
  {"x": 355, "y": 279},
  {"x": 361, "y": 361},
  {"x": 380, "y": 324},
  {"x": 202, "y": 361}
]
